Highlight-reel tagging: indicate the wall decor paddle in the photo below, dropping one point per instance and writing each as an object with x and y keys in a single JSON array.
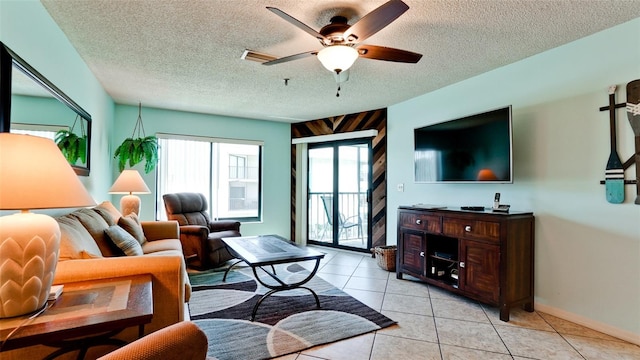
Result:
[{"x": 614, "y": 174}]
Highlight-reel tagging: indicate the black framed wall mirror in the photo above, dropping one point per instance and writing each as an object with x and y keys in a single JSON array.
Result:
[{"x": 29, "y": 103}]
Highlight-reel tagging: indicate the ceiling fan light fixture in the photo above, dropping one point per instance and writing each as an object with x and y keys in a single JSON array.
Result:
[{"x": 337, "y": 58}]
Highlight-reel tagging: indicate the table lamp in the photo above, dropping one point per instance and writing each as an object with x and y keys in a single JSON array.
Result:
[
  {"x": 129, "y": 182},
  {"x": 35, "y": 175}
]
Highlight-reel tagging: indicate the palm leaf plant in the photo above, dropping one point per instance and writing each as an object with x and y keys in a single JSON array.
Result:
[
  {"x": 137, "y": 148},
  {"x": 72, "y": 146}
]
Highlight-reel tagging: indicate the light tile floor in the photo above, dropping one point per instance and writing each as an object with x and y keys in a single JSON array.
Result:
[{"x": 435, "y": 324}]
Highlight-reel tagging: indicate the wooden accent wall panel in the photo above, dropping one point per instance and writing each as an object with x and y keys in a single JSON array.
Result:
[{"x": 368, "y": 120}]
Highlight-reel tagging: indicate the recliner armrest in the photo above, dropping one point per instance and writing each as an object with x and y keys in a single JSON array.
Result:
[
  {"x": 224, "y": 225},
  {"x": 193, "y": 239}
]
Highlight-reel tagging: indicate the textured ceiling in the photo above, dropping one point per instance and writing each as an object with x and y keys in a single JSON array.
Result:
[{"x": 186, "y": 55}]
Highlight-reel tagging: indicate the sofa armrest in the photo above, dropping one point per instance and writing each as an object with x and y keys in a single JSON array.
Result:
[
  {"x": 168, "y": 282},
  {"x": 224, "y": 225},
  {"x": 198, "y": 230},
  {"x": 158, "y": 230}
]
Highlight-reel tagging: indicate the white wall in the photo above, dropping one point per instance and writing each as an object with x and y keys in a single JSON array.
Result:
[
  {"x": 276, "y": 154},
  {"x": 28, "y": 30},
  {"x": 587, "y": 251}
]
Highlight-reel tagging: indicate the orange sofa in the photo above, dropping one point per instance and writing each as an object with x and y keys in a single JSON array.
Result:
[{"x": 87, "y": 253}]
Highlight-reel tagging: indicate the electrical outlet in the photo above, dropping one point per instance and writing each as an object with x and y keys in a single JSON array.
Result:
[{"x": 401, "y": 187}]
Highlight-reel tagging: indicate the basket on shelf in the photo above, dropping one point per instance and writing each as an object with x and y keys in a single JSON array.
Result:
[{"x": 386, "y": 257}]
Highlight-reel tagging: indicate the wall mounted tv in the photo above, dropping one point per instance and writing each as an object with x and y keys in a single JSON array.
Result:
[{"x": 472, "y": 149}]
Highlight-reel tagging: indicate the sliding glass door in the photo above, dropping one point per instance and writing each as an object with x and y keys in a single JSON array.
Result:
[{"x": 339, "y": 186}]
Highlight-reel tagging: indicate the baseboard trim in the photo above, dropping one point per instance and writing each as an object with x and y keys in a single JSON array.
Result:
[{"x": 590, "y": 323}]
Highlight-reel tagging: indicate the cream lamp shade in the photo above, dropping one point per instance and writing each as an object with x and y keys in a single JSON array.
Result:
[
  {"x": 34, "y": 175},
  {"x": 337, "y": 58},
  {"x": 129, "y": 182}
]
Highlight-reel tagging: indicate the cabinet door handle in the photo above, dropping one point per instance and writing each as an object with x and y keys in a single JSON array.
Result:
[
  {"x": 461, "y": 264},
  {"x": 422, "y": 253},
  {"x": 467, "y": 228},
  {"x": 418, "y": 221}
]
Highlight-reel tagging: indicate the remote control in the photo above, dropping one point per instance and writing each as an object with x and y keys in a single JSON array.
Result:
[{"x": 472, "y": 208}]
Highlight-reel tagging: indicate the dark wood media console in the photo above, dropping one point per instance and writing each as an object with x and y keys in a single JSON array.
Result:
[{"x": 483, "y": 255}]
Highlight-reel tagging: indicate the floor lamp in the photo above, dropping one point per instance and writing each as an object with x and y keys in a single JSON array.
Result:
[
  {"x": 35, "y": 175},
  {"x": 129, "y": 182}
]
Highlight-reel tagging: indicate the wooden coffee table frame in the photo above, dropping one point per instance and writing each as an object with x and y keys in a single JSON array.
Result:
[{"x": 290, "y": 253}]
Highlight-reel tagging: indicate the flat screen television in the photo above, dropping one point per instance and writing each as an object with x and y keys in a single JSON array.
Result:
[{"x": 472, "y": 149}]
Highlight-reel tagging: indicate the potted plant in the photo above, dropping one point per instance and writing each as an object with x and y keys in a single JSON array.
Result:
[
  {"x": 72, "y": 146},
  {"x": 135, "y": 149}
]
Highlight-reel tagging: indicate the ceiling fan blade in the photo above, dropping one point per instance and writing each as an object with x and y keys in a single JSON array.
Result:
[
  {"x": 291, "y": 58},
  {"x": 388, "y": 54},
  {"x": 299, "y": 24},
  {"x": 375, "y": 21}
]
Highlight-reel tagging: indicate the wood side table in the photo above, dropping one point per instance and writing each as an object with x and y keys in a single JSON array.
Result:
[{"x": 87, "y": 314}]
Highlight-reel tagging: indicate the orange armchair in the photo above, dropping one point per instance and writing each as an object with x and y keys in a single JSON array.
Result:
[{"x": 200, "y": 236}]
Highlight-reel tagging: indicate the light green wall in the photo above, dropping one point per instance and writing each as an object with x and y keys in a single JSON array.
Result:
[
  {"x": 41, "y": 111},
  {"x": 587, "y": 251},
  {"x": 276, "y": 154},
  {"x": 27, "y": 28}
]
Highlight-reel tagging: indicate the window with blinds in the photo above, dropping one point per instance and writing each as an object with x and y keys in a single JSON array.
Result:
[{"x": 226, "y": 171}]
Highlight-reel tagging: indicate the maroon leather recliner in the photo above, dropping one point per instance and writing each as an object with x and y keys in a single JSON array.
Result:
[{"x": 200, "y": 236}]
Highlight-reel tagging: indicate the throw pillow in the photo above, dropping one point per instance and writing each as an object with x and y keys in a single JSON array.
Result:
[
  {"x": 96, "y": 225},
  {"x": 125, "y": 241},
  {"x": 131, "y": 224},
  {"x": 75, "y": 240},
  {"x": 108, "y": 212}
]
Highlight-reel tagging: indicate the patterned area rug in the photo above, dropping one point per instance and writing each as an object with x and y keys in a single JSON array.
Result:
[{"x": 285, "y": 323}]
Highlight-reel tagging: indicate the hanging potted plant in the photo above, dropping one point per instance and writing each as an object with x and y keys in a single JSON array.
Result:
[
  {"x": 138, "y": 147},
  {"x": 72, "y": 146}
]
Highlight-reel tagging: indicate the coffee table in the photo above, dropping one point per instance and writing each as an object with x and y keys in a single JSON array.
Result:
[{"x": 268, "y": 250}]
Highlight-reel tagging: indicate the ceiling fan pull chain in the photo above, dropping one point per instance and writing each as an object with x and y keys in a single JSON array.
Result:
[{"x": 338, "y": 92}]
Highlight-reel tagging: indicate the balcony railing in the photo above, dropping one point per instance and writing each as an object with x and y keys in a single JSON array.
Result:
[
  {"x": 243, "y": 172},
  {"x": 352, "y": 208}
]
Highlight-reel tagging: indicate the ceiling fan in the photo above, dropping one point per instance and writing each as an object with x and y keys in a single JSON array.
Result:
[{"x": 342, "y": 43}]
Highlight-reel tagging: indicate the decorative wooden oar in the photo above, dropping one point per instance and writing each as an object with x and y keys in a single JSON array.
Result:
[
  {"x": 614, "y": 174},
  {"x": 633, "y": 113}
]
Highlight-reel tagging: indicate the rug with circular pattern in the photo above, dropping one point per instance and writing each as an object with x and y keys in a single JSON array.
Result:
[{"x": 286, "y": 322}]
